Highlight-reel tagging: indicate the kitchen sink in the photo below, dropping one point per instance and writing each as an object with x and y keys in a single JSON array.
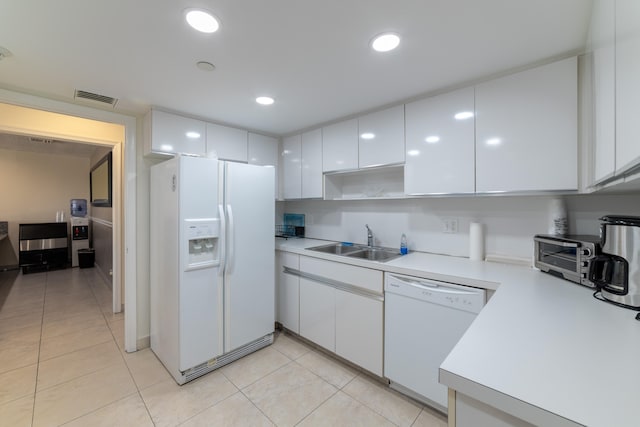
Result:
[
  {"x": 376, "y": 254},
  {"x": 358, "y": 251},
  {"x": 336, "y": 249}
]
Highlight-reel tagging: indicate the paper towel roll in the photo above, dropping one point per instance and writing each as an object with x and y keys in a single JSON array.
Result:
[{"x": 476, "y": 242}]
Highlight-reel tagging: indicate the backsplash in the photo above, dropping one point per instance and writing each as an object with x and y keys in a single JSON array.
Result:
[{"x": 509, "y": 221}]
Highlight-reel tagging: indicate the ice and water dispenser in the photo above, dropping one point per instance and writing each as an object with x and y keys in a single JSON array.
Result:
[{"x": 202, "y": 243}]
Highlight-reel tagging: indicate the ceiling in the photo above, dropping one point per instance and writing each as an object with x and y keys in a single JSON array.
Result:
[{"x": 313, "y": 57}]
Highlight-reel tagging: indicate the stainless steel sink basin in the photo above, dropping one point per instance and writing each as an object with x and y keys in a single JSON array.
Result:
[
  {"x": 358, "y": 251},
  {"x": 335, "y": 249},
  {"x": 376, "y": 254}
]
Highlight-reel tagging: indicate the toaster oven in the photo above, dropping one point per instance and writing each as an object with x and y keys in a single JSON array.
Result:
[{"x": 568, "y": 257}]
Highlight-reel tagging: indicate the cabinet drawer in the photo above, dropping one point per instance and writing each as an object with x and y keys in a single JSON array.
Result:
[{"x": 356, "y": 276}]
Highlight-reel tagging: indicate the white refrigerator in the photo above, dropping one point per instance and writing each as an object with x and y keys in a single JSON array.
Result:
[{"x": 212, "y": 263}]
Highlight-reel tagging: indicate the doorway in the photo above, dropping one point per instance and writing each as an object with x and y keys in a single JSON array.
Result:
[{"x": 29, "y": 115}]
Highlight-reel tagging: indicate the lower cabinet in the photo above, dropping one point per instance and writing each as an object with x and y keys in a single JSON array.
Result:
[
  {"x": 288, "y": 288},
  {"x": 317, "y": 313},
  {"x": 343, "y": 314},
  {"x": 359, "y": 325}
]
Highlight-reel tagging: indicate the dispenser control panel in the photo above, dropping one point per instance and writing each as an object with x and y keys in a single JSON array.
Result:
[{"x": 202, "y": 238}]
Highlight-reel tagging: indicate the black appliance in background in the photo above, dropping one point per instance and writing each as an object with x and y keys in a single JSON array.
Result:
[{"x": 43, "y": 246}]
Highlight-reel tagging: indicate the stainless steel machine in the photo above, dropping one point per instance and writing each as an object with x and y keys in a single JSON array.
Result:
[{"x": 616, "y": 271}]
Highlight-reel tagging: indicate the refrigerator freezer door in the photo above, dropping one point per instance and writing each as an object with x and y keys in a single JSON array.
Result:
[
  {"x": 249, "y": 283},
  {"x": 200, "y": 297}
]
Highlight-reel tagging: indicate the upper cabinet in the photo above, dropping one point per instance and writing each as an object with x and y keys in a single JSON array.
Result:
[
  {"x": 227, "y": 143},
  {"x": 291, "y": 167},
  {"x": 381, "y": 137},
  {"x": 263, "y": 150},
  {"x": 627, "y": 84},
  {"x": 526, "y": 130},
  {"x": 440, "y": 144},
  {"x": 302, "y": 165},
  {"x": 603, "y": 51},
  {"x": 167, "y": 133},
  {"x": 311, "y": 146},
  {"x": 340, "y": 146}
]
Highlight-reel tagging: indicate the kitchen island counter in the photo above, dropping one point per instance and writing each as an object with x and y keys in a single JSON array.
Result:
[{"x": 543, "y": 349}]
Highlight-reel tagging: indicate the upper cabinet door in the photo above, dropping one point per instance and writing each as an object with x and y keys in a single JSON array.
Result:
[
  {"x": 440, "y": 144},
  {"x": 172, "y": 134},
  {"x": 263, "y": 151},
  {"x": 228, "y": 143},
  {"x": 312, "y": 164},
  {"x": 603, "y": 50},
  {"x": 340, "y": 146},
  {"x": 627, "y": 71},
  {"x": 291, "y": 167},
  {"x": 381, "y": 137},
  {"x": 526, "y": 130}
]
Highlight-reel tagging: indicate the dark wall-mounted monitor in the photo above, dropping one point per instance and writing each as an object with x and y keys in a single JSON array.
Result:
[{"x": 100, "y": 179}]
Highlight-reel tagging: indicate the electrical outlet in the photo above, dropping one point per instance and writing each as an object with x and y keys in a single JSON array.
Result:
[{"x": 450, "y": 225}]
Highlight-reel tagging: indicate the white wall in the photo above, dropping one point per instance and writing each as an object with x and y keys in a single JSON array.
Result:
[
  {"x": 510, "y": 221},
  {"x": 34, "y": 186}
]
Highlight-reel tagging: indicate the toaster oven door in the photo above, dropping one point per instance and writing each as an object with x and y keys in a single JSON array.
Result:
[{"x": 558, "y": 256}]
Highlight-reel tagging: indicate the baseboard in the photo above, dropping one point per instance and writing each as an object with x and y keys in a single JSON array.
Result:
[
  {"x": 144, "y": 342},
  {"x": 108, "y": 279}
]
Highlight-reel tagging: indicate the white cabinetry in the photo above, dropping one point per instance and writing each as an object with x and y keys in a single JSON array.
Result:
[
  {"x": 263, "y": 150},
  {"x": 340, "y": 146},
  {"x": 440, "y": 138},
  {"x": 317, "y": 313},
  {"x": 526, "y": 130},
  {"x": 291, "y": 170},
  {"x": 627, "y": 83},
  {"x": 167, "y": 133},
  {"x": 227, "y": 143},
  {"x": 603, "y": 49},
  {"x": 312, "y": 164},
  {"x": 341, "y": 309},
  {"x": 358, "y": 330},
  {"x": 288, "y": 311},
  {"x": 381, "y": 137}
]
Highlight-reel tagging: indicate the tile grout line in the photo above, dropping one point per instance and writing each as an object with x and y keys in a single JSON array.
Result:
[{"x": 35, "y": 385}]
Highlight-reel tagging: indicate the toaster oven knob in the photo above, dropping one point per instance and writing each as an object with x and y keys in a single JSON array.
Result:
[
  {"x": 585, "y": 263},
  {"x": 586, "y": 252}
]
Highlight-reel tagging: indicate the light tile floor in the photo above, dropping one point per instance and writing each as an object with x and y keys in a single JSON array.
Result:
[{"x": 62, "y": 363}]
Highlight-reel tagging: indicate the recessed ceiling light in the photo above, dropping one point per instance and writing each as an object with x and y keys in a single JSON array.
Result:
[
  {"x": 432, "y": 139},
  {"x": 385, "y": 42},
  {"x": 205, "y": 66},
  {"x": 166, "y": 147},
  {"x": 413, "y": 152},
  {"x": 463, "y": 115},
  {"x": 367, "y": 135},
  {"x": 202, "y": 21},
  {"x": 265, "y": 100},
  {"x": 494, "y": 141},
  {"x": 193, "y": 135}
]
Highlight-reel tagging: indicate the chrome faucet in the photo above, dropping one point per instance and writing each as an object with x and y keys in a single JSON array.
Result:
[{"x": 369, "y": 236}]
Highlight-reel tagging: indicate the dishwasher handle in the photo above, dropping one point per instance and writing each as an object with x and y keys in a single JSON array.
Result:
[{"x": 447, "y": 294}]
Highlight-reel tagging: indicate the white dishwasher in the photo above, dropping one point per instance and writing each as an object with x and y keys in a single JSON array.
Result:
[{"x": 424, "y": 319}]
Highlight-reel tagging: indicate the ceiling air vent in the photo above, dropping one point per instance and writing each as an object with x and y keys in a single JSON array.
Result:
[{"x": 94, "y": 97}]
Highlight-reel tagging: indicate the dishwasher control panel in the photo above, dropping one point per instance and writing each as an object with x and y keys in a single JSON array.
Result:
[{"x": 447, "y": 294}]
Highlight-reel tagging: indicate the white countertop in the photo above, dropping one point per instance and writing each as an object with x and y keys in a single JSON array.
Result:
[{"x": 542, "y": 348}]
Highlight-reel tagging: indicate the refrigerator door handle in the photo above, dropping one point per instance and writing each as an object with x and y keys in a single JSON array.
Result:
[
  {"x": 230, "y": 244},
  {"x": 223, "y": 238}
]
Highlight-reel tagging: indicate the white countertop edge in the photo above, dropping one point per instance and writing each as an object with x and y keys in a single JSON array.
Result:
[{"x": 503, "y": 402}]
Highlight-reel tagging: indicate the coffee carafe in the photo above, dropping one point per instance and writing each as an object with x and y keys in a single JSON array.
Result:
[{"x": 616, "y": 272}]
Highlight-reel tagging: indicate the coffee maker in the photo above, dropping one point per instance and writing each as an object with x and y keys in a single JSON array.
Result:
[{"x": 616, "y": 271}]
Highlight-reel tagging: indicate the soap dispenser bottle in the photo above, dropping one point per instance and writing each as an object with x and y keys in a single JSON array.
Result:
[{"x": 403, "y": 245}]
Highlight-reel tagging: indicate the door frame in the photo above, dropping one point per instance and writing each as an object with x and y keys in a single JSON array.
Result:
[{"x": 124, "y": 239}]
